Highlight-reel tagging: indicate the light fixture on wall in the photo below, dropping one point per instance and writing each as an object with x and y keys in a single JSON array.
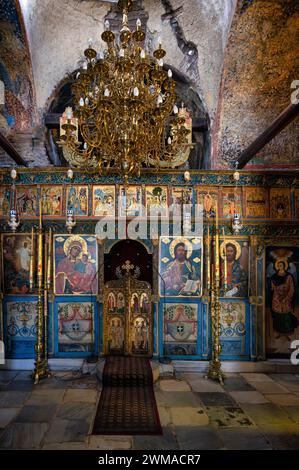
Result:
[{"x": 125, "y": 108}]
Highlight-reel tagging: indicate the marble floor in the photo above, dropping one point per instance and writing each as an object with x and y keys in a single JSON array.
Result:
[{"x": 251, "y": 411}]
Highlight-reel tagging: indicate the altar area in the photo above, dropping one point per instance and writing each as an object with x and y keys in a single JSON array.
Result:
[{"x": 88, "y": 309}]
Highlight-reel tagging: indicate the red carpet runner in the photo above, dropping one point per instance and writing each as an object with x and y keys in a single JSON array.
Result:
[{"x": 127, "y": 403}]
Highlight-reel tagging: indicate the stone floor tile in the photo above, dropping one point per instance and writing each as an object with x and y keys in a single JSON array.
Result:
[
  {"x": 291, "y": 385},
  {"x": 7, "y": 415},
  {"x": 23, "y": 435},
  {"x": 243, "y": 439},
  {"x": 267, "y": 413},
  {"x": 110, "y": 442},
  {"x": 164, "y": 415},
  {"x": 249, "y": 397},
  {"x": 83, "y": 395},
  {"x": 20, "y": 385},
  {"x": 292, "y": 412},
  {"x": 36, "y": 414},
  {"x": 256, "y": 377},
  {"x": 198, "y": 438},
  {"x": 7, "y": 376},
  {"x": 284, "y": 377},
  {"x": 227, "y": 416},
  {"x": 13, "y": 399},
  {"x": 161, "y": 397},
  {"x": 186, "y": 416},
  {"x": 282, "y": 437},
  {"x": 204, "y": 385},
  {"x": 53, "y": 383},
  {"x": 283, "y": 399},
  {"x": 174, "y": 386},
  {"x": 166, "y": 441},
  {"x": 270, "y": 387},
  {"x": 76, "y": 410},
  {"x": 237, "y": 384},
  {"x": 64, "y": 430},
  {"x": 41, "y": 396},
  {"x": 215, "y": 399},
  {"x": 181, "y": 399},
  {"x": 24, "y": 375},
  {"x": 65, "y": 446}
]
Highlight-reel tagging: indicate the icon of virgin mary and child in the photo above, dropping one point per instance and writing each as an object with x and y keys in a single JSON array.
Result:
[{"x": 75, "y": 273}]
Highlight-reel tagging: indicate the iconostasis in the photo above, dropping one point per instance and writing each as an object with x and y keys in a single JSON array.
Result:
[{"x": 258, "y": 263}]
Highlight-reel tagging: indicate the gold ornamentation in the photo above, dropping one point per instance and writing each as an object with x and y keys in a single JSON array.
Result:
[{"x": 125, "y": 108}]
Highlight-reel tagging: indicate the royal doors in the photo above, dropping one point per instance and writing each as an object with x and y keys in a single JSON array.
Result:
[{"x": 128, "y": 317}]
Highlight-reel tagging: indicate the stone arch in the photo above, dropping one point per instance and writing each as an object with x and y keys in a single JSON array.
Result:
[{"x": 61, "y": 97}]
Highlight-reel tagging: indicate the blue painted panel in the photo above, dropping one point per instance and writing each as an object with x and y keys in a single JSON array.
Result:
[
  {"x": 19, "y": 321},
  {"x": 83, "y": 299}
]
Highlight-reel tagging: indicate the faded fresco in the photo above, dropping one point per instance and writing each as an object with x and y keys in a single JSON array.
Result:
[
  {"x": 282, "y": 299},
  {"x": 15, "y": 72},
  {"x": 260, "y": 65},
  {"x": 75, "y": 326},
  {"x": 180, "y": 267},
  {"x": 16, "y": 260},
  {"x": 76, "y": 261}
]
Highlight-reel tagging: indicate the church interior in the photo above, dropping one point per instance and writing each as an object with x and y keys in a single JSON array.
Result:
[{"x": 149, "y": 225}]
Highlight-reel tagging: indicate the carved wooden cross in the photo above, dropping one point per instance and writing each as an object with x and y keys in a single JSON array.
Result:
[{"x": 128, "y": 266}]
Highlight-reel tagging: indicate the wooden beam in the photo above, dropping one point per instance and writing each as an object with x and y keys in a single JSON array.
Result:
[
  {"x": 283, "y": 120},
  {"x": 11, "y": 151}
]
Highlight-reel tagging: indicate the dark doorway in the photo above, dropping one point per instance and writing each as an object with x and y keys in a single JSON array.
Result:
[{"x": 133, "y": 251}]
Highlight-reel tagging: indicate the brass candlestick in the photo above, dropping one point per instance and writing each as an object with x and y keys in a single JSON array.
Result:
[
  {"x": 41, "y": 368},
  {"x": 215, "y": 371}
]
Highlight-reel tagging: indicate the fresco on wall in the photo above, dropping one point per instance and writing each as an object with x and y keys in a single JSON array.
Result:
[
  {"x": 15, "y": 71},
  {"x": 207, "y": 197},
  {"x": 103, "y": 201},
  {"x": 51, "y": 200},
  {"x": 75, "y": 326},
  {"x": 260, "y": 65},
  {"x": 282, "y": 299},
  {"x": 77, "y": 200},
  {"x": 27, "y": 201},
  {"x": 237, "y": 258},
  {"x": 4, "y": 200},
  {"x": 130, "y": 201},
  {"x": 180, "y": 266},
  {"x": 75, "y": 258},
  {"x": 280, "y": 203},
  {"x": 156, "y": 200},
  {"x": 256, "y": 202},
  {"x": 15, "y": 263}
]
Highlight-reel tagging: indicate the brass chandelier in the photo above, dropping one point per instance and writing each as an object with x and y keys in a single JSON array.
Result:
[{"x": 125, "y": 108}]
